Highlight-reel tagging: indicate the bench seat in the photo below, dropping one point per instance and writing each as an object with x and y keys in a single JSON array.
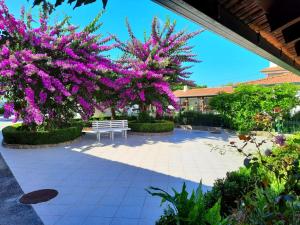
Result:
[{"x": 110, "y": 126}]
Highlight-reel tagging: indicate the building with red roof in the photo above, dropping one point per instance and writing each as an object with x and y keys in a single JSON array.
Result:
[{"x": 198, "y": 98}]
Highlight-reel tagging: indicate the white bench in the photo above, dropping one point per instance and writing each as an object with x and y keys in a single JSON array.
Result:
[{"x": 110, "y": 126}]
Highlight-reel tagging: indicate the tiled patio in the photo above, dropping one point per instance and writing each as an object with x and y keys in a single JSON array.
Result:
[{"x": 104, "y": 183}]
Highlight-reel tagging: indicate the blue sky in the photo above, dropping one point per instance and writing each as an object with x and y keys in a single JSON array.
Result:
[{"x": 223, "y": 61}]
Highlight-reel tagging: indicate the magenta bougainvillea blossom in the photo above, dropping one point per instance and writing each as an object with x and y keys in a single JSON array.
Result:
[
  {"x": 50, "y": 72},
  {"x": 154, "y": 65}
]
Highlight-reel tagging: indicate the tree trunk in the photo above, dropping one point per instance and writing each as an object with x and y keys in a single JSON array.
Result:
[
  {"x": 113, "y": 113},
  {"x": 142, "y": 108}
]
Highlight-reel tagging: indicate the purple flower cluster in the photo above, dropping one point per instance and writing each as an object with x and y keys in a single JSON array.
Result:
[
  {"x": 51, "y": 72},
  {"x": 51, "y": 66},
  {"x": 154, "y": 66},
  {"x": 280, "y": 140}
]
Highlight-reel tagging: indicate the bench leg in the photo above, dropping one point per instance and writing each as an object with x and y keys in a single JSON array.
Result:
[
  {"x": 112, "y": 135},
  {"x": 98, "y": 136},
  {"x": 125, "y": 133}
]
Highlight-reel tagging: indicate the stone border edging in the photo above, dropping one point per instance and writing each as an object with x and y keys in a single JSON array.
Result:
[
  {"x": 204, "y": 128},
  {"x": 150, "y": 134},
  {"x": 20, "y": 146}
]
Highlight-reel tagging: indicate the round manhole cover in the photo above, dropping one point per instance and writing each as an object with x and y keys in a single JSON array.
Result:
[{"x": 38, "y": 196}]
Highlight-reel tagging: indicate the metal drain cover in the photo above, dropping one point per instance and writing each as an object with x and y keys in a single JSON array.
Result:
[{"x": 38, "y": 196}]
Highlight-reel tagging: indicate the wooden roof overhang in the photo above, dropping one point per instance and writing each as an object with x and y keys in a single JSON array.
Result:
[{"x": 270, "y": 28}]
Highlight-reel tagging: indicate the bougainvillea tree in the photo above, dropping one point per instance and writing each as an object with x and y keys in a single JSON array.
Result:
[
  {"x": 50, "y": 72},
  {"x": 156, "y": 64},
  {"x": 78, "y": 3}
]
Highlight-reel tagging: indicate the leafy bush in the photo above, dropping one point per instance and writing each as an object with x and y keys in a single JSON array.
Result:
[
  {"x": 1, "y": 110},
  {"x": 241, "y": 107},
  {"x": 290, "y": 127},
  {"x": 144, "y": 117},
  {"x": 156, "y": 126},
  {"x": 88, "y": 123},
  {"x": 277, "y": 200},
  {"x": 294, "y": 139},
  {"x": 296, "y": 116},
  {"x": 18, "y": 135},
  {"x": 264, "y": 206},
  {"x": 231, "y": 189},
  {"x": 202, "y": 119},
  {"x": 265, "y": 191},
  {"x": 185, "y": 210}
]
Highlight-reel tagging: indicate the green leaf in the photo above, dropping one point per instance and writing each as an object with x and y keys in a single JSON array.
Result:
[{"x": 213, "y": 216}]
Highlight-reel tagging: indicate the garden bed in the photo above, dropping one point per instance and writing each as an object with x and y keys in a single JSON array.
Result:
[
  {"x": 15, "y": 136},
  {"x": 157, "y": 126}
]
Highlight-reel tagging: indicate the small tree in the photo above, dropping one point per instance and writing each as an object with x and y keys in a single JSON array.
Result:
[
  {"x": 249, "y": 102},
  {"x": 49, "y": 72},
  {"x": 154, "y": 65}
]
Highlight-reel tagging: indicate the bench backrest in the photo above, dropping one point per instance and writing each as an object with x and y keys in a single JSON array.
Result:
[{"x": 101, "y": 124}]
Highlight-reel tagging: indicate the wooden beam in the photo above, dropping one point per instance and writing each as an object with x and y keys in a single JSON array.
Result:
[
  {"x": 292, "y": 33},
  {"x": 297, "y": 48},
  {"x": 286, "y": 25},
  {"x": 230, "y": 27},
  {"x": 281, "y": 13}
]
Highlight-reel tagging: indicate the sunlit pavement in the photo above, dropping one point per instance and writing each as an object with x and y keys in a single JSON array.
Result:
[
  {"x": 4, "y": 122},
  {"x": 103, "y": 183}
]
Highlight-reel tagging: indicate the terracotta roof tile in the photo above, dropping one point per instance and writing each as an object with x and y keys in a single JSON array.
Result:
[
  {"x": 277, "y": 79},
  {"x": 272, "y": 69},
  {"x": 197, "y": 92}
]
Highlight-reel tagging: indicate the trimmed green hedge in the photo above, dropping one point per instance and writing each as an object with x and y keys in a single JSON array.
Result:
[
  {"x": 201, "y": 119},
  {"x": 157, "y": 126},
  {"x": 15, "y": 135}
]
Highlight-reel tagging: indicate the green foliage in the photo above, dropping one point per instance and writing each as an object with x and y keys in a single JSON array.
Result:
[
  {"x": 266, "y": 191},
  {"x": 157, "y": 126},
  {"x": 187, "y": 210},
  {"x": 276, "y": 199},
  {"x": 290, "y": 127},
  {"x": 294, "y": 139},
  {"x": 1, "y": 110},
  {"x": 144, "y": 117},
  {"x": 241, "y": 107},
  {"x": 231, "y": 189},
  {"x": 202, "y": 119},
  {"x": 263, "y": 207},
  {"x": 283, "y": 163},
  {"x": 18, "y": 134},
  {"x": 181, "y": 86},
  {"x": 296, "y": 116}
]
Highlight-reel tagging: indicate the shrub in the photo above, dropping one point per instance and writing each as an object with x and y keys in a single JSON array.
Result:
[
  {"x": 144, "y": 117},
  {"x": 1, "y": 110},
  {"x": 241, "y": 107},
  {"x": 187, "y": 210},
  {"x": 231, "y": 189},
  {"x": 296, "y": 116},
  {"x": 263, "y": 206},
  {"x": 156, "y": 126},
  {"x": 294, "y": 139},
  {"x": 202, "y": 119},
  {"x": 289, "y": 127},
  {"x": 18, "y": 135}
]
